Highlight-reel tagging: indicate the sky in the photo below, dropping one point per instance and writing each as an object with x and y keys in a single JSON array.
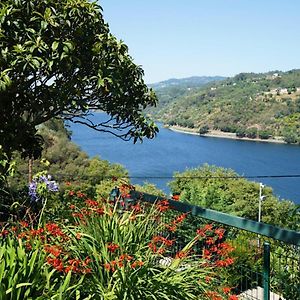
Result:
[{"x": 177, "y": 39}]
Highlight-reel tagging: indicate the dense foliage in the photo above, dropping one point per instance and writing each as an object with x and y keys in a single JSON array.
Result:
[
  {"x": 252, "y": 105},
  {"x": 223, "y": 190},
  {"x": 68, "y": 164},
  {"x": 59, "y": 58}
]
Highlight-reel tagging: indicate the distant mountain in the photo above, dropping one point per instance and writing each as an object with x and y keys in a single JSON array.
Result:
[
  {"x": 189, "y": 82},
  {"x": 254, "y": 105}
]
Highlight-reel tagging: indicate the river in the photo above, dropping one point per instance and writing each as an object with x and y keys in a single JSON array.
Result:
[{"x": 173, "y": 151}]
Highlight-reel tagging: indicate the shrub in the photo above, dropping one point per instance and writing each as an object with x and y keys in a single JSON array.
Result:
[
  {"x": 251, "y": 133},
  {"x": 204, "y": 129},
  {"x": 241, "y": 132},
  {"x": 264, "y": 134}
]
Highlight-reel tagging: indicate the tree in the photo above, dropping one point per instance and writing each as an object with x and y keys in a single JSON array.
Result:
[
  {"x": 251, "y": 132},
  {"x": 241, "y": 132},
  {"x": 58, "y": 58},
  {"x": 224, "y": 190},
  {"x": 204, "y": 129},
  {"x": 264, "y": 134}
]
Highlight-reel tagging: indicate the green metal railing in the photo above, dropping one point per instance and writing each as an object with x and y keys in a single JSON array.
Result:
[{"x": 278, "y": 250}]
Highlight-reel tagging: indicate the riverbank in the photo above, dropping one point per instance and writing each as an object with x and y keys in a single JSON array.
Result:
[{"x": 223, "y": 135}]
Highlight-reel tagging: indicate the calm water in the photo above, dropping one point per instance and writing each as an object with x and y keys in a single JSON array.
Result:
[{"x": 172, "y": 151}]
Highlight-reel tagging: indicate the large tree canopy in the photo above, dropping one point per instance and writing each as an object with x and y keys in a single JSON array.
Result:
[{"x": 58, "y": 58}]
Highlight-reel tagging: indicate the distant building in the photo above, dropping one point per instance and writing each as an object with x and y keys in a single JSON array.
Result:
[
  {"x": 283, "y": 91},
  {"x": 273, "y": 76}
]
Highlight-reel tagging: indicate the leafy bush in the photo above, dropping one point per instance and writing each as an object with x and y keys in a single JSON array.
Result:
[
  {"x": 264, "y": 134},
  {"x": 241, "y": 132},
  {"x": 211, "y": 189},
  {"x": 251, "y": 133},
  {"x": 204, "y": 129}
]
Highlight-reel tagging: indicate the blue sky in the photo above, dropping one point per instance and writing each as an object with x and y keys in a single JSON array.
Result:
[{"x": 176, "y": 39}]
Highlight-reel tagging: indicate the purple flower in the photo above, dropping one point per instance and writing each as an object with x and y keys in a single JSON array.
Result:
[
  {"x": 32, "y": 191},
  {"x": 41, "y": 185}
]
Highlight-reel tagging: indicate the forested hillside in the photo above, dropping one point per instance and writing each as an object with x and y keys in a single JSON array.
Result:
[
  {"x": 67, "y": 162},
  {"x": 253, "y": 105},
  {"x": 169, "y": 90}
]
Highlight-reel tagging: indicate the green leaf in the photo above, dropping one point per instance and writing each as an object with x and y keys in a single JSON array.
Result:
[
  {"x": 66, "y": 282},
  {"x": 23, "y": 284},
  {"x": 55, "y": 45}
]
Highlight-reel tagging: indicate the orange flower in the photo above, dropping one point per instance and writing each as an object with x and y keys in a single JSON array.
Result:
[
  {"x": 107, "y": 266},
  {"x": 125, "y": 257},
  {"x": 54, "y": 229},
  {"x": 207, "y": 227},
  {"x": 54, "y": 250},
  {"x": 209, "y": 241},
  {"x": 137, "y": 263},
  {"x": 171, "y": 228},
  {"x": 140, "y": 263},
  {"x": 181, "y": 254},
  {"x": 28, "y": 246},
  {"x": 180, "y": 218},
  {"x": 91, "y": 203},
  {"x": 226, "y": 290},
  {"x": 161, "y": 251},
  {"x": 206, "y": 253},
  {"x": 175, "y": 197},
  {"x": 163, "y": 205},
  {"x": 220, "y": 233},
  {"x": 24, "y": 224},
  {"x": 56, "y": 263},
  {"x": 162, "y": 240},
  {"x": 100, "y": 211},
  {"x": 4, "y": 232},
  {"x": 136, "y": 208},
  {"x": 79, "y": 194},
  {"x": 152, "y": 246},
  {"x": 112, "y": 247},
  {"x": 36, "y": 232},
  {"x": 120, "y": 264},
  {"x": 87, "y": 271},
  {"x": 200, "y": 232},
  {"x": 213, "y": 295}
]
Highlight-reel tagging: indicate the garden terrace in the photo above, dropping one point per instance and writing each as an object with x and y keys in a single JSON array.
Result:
[{"x": 262, "y": 263}]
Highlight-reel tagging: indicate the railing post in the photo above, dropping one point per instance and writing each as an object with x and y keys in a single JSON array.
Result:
[
  {"x": 266, "y": 271},
  {"x": 114, "y": 194}
]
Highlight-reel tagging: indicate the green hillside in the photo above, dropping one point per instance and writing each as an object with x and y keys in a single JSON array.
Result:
[
  {"x": 253, "y": 105},
  {"x": 169, "y": 90}
]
